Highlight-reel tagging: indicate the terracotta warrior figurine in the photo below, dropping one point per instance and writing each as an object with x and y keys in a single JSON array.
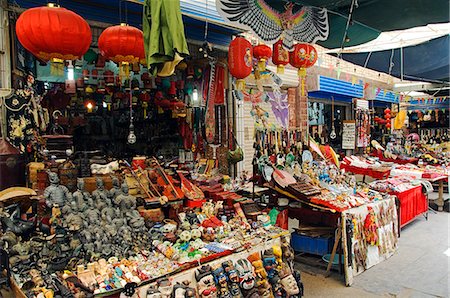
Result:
[
  {"x": 80, "y": 196},
  {"x": 115, "y": 190},
  {"x": 74, "y": 220},
  {"x": 125, "y": 200},
  {"x": 101, "y": 195},
  {"x": 56, "y": 193}
]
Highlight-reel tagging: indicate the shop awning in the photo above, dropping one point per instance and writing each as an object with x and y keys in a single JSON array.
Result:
[{"x": 428, "y": 61}]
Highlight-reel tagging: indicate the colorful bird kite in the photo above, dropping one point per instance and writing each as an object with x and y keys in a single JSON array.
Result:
[{"x": 308, "y": 24}]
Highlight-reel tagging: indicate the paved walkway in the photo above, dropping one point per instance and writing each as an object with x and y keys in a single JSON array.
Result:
[{"x": 420, "y": 268}]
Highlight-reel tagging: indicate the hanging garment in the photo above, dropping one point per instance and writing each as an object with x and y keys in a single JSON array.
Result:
[{"x": 164, "y": 40}]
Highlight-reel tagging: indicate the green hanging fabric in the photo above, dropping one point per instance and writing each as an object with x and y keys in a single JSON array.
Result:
[{"x": 164, "y": 39}]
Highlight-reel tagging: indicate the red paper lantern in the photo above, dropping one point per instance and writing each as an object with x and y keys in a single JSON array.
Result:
[
  {"x": 262, "y": 52},
  {"x": 280, "y": 56},
  {"x": 240, "y": 56},
  {"x": 122, "y": 44},
  {"x": 302, "y": 57},
  {"x": 51, "y": 33}
]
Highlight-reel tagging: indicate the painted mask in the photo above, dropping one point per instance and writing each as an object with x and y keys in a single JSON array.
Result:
[
  {"x": 205, "y": 282},
  {"x": 246, "y": 277}
]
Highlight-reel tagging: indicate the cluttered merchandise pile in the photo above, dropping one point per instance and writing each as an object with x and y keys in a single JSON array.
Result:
[{"x": 105, "y": 240}]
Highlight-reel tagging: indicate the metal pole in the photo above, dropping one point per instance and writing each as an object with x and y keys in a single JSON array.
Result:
[{"x": 401, "y": 64}]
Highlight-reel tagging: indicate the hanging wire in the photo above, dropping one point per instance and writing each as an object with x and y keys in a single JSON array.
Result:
[
  {"x": 367, "y": 59},
  {"x": 391, "y": 62},
  {"x": 120, "y": 11},
  {"x": 349, "y": 20}
]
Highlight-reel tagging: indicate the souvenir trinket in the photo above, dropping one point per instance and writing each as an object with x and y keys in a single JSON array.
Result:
[{"x": 205, "y": 282}]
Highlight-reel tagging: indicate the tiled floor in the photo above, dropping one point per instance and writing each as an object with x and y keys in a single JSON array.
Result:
[{"x": 420, "y": 268}]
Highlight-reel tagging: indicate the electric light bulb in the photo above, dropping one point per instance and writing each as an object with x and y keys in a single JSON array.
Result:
[
  {"x": 70, "y": 71},
  {"x": 195, "y": 96}
]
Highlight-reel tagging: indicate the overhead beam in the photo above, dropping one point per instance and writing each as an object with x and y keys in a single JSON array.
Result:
[{"x": 420, "y": 87}]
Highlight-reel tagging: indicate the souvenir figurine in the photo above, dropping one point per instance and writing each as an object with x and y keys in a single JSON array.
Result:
[
  {"x": 101, "y": 195},
  {"x": 74, "y": 220},
  {"x": 233, "y": 279},
  {"x": 80, "y": 196},
  {"x": 270, "y": 263},
  {"x": 205, "y": 282},
  {"x": 56, "y": 193},
  {"x": 190, "y": 292},
  {"x": 288, "y": 252},
  {"x": 221, "y": 281},
  {"x": 125, "y": 200},
  {"x": 115, "y": 190},
  {"x": 288, "y": 281}
]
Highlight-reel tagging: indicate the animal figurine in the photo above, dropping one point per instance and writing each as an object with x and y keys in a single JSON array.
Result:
[
  {"x": 205, "y": 282},
  {"x": 262, "y": 284}
]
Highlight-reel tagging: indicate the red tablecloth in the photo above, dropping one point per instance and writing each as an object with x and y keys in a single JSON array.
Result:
[
  {"x": 367, "y": 172},
  {"x": 412, "y": 203}
]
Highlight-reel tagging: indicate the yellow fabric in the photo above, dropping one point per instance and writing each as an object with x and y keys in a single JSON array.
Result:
[{"x": 400, "y": 120}]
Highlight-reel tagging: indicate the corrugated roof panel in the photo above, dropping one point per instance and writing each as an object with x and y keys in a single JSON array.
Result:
[{"x": 335, "y": 86}]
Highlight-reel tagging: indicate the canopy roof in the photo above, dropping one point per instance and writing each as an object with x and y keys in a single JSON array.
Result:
[{"x": 428, "y": 61}]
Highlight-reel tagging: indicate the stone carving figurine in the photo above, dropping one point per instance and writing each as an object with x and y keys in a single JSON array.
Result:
[
  {"x": 80, "y": 196},
  {"x": 101, "y": 195},
  {"x": 56, "y": 193},
  {"x": 125, "y": 200},
  {"x": 74, "y": 219},
  {"x": 115, "y": 190}
]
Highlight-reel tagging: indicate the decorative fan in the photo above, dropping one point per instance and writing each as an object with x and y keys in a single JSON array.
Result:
[{"x": 308, "y": 24}]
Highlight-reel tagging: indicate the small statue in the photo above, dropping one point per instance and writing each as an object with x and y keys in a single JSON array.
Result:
[
  {"x": 205, "y": 282},
  {"x": 115, "y": 190},
  {"x": 80, "y": 196},
  {"x": 101, "y": 195},
  {"x": 92, "y": 215},
  {"x": 74, "y": 220},
  {"x": 108, "y": 212},
  {"x": 56, "y": 193},
  {"x": 125, "y": 200}
]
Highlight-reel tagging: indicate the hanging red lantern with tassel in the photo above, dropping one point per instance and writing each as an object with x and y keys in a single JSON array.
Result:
[
  {"x": 263, "y": 53},
  {"x": 280, "y": 56},
  {"x": 122, "y": 44},
  {"x": 302, "y": 57},
  {"x": 240, "y": 60},
  {"x": 54, "y": 34}
]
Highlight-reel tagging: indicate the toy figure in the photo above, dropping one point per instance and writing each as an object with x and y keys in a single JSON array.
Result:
[
  {"x": 288, "y": 252},
  {"x": 56, "y": 193},
  {"x": 74, "y": 220},
  {"x": 205, "y": 282},
  {"x": 233, "y": 279},
  {"x": 221, "y": 281},
  {"x": 270, "y": 263}
]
